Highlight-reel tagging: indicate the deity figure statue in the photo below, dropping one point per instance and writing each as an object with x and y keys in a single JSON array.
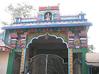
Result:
[{"x": 48, "y": 16}]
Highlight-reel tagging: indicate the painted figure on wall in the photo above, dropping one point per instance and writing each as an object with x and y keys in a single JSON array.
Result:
[{"x": 48, "y": 16}]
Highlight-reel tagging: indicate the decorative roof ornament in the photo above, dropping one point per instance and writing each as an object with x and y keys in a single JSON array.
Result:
[
  {"x": 49, "y": 16},
  {"x": 44, "y": 8}
]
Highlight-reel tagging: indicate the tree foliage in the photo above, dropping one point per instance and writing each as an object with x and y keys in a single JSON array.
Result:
[{"x": 20, "y": 10}]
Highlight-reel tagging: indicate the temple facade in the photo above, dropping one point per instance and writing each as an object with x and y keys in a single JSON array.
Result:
[{"x": 47, "y": 44}]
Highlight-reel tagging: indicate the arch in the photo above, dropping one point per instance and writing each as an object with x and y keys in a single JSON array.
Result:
[
  {"x": 48, "y": 38},
  {"x": 57, "y": 37}
]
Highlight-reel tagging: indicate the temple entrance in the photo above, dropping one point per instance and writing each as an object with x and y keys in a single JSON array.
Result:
[{"x": 47, "y": 55}]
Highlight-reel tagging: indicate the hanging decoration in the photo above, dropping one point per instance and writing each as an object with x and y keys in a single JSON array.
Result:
[
  {"x": 13, "y": 39},
  {"x": 21, "y": 40},
  {"x": 77, "y": 37},
  {"x": 83, "y": 38},
  {"x": 18, "y": 40},
  {"x": 71, "y": 39}
]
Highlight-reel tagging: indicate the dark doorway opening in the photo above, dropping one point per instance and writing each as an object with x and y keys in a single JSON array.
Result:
[
  {"x": 49, "y": 46},
  {"x": 95, "y": 70}
]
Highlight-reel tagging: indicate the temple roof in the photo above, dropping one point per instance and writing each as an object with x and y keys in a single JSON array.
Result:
[
  {"x": 47, "y": 19},
  {"x": 45, "y": 24}
]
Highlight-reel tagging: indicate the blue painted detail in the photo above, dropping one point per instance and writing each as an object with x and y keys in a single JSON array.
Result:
[
  {"x": 19, "y": 21},
  {"x": 2, "y": 35},
  {"x": 68, "y": 61},
  {"x": 46, "y": 26}
]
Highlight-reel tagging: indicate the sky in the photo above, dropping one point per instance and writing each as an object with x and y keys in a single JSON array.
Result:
[{"x": 67, "y": 7}]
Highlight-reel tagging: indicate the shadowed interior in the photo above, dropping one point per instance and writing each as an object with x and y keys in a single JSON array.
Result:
[{"x": 47, "y": 48}]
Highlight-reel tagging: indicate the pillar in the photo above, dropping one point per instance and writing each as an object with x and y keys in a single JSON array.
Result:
[
  {"x": 10, "y": 62},
  {"x": 70, "y": 61},
  {"x": 22, "y": 62}
]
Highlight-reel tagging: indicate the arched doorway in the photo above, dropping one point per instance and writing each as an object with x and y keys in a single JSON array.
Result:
[{"x": 47, "y": 55}]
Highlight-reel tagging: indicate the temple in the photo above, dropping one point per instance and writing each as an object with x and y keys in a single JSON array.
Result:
[{"x": 48, "y": 44}]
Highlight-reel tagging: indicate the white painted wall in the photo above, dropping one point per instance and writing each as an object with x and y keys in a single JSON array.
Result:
[{"x": 3, "y": 62}]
